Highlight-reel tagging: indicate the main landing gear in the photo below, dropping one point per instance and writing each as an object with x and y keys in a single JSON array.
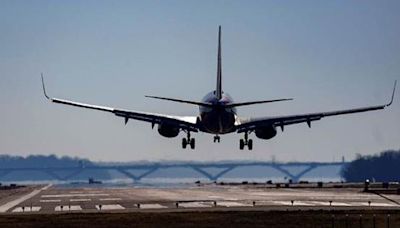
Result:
[
  {"x": 246, "y": 142},
  {"x": 188, "y": 141},
  {"x": 217, "y": 138}
]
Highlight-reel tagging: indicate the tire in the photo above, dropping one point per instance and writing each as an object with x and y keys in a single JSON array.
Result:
[
  {"x": 250, "y": 144},
  {"x": 192, "y": 144},
  {"x": 184, "y": 143},
  {"x": 241, "y": 144}
]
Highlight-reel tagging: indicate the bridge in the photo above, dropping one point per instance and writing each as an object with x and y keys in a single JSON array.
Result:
[{"x": 68, "y": 173}]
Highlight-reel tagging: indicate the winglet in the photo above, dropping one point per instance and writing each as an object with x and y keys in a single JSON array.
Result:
[
  {"x": 44, "y": 88},
  {"x": 394, "y": 90}
]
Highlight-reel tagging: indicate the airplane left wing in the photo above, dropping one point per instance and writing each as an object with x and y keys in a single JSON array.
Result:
[
  {"x": 251, "y": 124},
  {"x": 183, "y": 122}
]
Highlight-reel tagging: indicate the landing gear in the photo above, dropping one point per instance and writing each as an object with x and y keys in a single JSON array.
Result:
[
  {"x": 188, "y": 141},
  {"x": 250, "y": 144},
  {"x": 246, "y": 142},
  {"x": 184, "y": 143},
  {"x": 192, "y": 144},
  {"x": 241, "y": 144},
  {"x": 217, "y": 138}
]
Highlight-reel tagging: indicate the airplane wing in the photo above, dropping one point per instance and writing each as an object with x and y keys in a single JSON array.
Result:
[
  {"x": 251, "y": 124},
  {"x": 183, "y": 122}
]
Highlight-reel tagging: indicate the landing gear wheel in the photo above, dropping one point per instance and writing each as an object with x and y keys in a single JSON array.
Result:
[
  {"x": 184, "y": 143},
  {"x": 250, "y": 144},
  {"x": 188, "y": 141},
  {"x": 241, "y": 144},
  {"x": 217, "y": 139},
  {"x": 192, "y": 144},
  {"x": 246, "y": 142}
]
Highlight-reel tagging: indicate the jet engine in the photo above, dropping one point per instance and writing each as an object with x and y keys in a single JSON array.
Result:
[
  {"x": 267, "y": 132},
  {"x": 168, "y": 130}
]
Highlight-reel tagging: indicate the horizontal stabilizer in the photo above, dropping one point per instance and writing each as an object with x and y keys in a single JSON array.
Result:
[
  {"x": 257, "y": 102},
  {"x": 182, "y": 101}
]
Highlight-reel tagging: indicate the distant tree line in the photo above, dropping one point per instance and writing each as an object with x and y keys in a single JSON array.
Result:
[
  {"x": 41, "y": 161},
  {"x": 384, "y": 167},
  {"x": 47, "y": 161}
]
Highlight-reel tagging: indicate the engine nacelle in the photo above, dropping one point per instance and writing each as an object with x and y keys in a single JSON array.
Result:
[
  {"x": 266, "y": 132},
  {"x": 168, "y": 130}
]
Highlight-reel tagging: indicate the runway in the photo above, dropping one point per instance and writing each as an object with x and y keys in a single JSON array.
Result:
[{"x": 56, "y": 199}]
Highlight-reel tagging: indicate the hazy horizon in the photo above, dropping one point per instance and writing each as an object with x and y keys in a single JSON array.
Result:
[{"x": 326, "y": 55}]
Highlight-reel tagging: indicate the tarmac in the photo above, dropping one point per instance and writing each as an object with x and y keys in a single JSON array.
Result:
[{"x": 51, "y": 199}]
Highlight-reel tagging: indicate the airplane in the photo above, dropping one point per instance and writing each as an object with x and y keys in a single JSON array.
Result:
[{"x": 217, "y": 115}]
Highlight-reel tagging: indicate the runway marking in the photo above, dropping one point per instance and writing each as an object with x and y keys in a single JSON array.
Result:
[
  {"x": 152, "y": 206},
  {"x": 340, "y": 204},
  {"x": 295, "y": 203},
  {"x": 110, "y": 207},
  {"x": 379, "y": 204},
  {"x": 334, "y": 204},
  {"x": 79, "y": 200},
  {"x": 303, "y": 203},
  {"x": 11, "y": 204},
  {"x": 74, "y": 195},
  {"x": 110, "y": 199},
  {"x": 195, "y": 204},
  {"x": 68, "y": 208},
  {"x": 288, "y": 203},
  {"x": 233, "y": 204},
  {"x": 26, "y": 209},
  {"x": 214, "y": 197},
  {"x": 50, "y": 201}
]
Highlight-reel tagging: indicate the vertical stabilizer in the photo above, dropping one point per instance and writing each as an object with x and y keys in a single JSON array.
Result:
[{"x": 218, "y": 91}]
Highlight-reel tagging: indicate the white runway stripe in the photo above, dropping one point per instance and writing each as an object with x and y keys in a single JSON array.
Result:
[
  {"x": 74, "y": 195},
  {"x": 79, "y": 200},
  {"x": 109, "y": 207},
  {"x": 68, "y": 208},
  {"x": 286, "y": 203},
  {"x": 310, "y": 203},
  {"x": 196, "y": 204},
  {"x": 50, "y": 201},
  {"x": 233, "y": 204},
  {"x": 26, "y": 209},
  {"x": 110, "y": 199},
  {"x": 379, "y": 204},
  {"x": 340, "y": 204},
  {"x": 151, "y": 206}
]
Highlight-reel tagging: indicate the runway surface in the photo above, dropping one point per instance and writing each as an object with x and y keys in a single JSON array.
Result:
[{"x": 55, "y": 199}]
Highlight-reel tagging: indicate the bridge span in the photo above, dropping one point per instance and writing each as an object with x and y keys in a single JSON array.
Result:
[{"x": 69, "y": 173}]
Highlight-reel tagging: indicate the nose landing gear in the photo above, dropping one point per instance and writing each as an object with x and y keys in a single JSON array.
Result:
[
  {"x": 217, "y": 138},
  {"x": 188, "y": 141},
  {"x": 246, "y": 142}
]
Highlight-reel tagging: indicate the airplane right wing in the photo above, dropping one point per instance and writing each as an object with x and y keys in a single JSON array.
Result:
[
  {"x": 246, "y": 125},
  {"x": 188, "y": 123}
]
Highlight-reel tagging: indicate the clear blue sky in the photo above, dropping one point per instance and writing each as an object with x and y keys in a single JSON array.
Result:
[{"x": 326, "y": 54}]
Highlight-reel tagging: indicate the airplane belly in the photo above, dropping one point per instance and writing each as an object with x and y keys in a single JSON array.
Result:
[{"x": 218, "y": 122}]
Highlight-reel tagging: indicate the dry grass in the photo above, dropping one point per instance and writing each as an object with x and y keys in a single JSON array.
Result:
[{"x": 242, "y": 219}]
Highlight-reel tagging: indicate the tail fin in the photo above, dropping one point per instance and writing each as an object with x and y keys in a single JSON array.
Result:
[{"x": 218, "y": 91}]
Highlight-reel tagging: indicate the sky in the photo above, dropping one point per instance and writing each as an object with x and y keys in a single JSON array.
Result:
[{"x": 328, "y": 55}]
